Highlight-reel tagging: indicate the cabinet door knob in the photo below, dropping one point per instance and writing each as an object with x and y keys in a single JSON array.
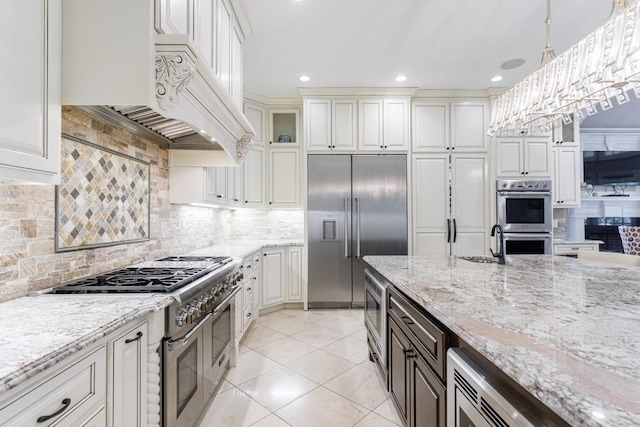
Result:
[
  {"x": 453, "y": 148},
  {"x": 526, "y": 173},
  {"x": 219, "y": 196},
  {"x": 269, "y": 202}
]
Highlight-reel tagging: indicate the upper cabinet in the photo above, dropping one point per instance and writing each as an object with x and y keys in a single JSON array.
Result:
[
  {"x": 330, "y": 124},
  {"x": 30, "y": 122},
  {"x": 383, "y": 124},
  {"x": 524, "y": 157},
  {"x": 257, "y": 116},
  {"x": 442, "y": 125}
]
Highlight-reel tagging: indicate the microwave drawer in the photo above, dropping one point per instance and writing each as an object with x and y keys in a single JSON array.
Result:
[{"x": 432, "y": 340}]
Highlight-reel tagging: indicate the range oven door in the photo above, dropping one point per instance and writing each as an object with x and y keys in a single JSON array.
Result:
[
  {"x": 524, "y": 212},
  {"x": 195, "y": 363},
  {"x": 183, "y": 378},
  {"x": 528, "y": 243}
]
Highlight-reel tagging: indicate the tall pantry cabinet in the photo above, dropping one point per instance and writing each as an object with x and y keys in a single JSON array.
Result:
[{"x": 450, "y": 169}]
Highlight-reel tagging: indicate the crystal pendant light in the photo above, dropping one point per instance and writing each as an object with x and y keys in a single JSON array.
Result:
[{"x": 548, "y": 54}]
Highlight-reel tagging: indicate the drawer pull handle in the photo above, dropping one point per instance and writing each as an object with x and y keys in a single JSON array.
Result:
[
  {"x": 248, "y": 289},
  {"x": 130, "y": 340},
  {"x": 407, "y": 320},
  {"x": 65, "y": 404}
]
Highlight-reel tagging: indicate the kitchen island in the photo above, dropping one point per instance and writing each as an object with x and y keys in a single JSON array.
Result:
[{"x": 567, "y": 331}]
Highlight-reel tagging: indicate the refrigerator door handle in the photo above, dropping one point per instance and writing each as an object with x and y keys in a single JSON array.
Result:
[
  {"x": 357, "y": 199},
  {"x": 448, "y": 230},
  {"x": 346, "y": 228},
  {"x": 455, "y": 231}
]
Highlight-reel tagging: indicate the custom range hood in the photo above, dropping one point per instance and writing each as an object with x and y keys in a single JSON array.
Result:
[{"x": 120, "y": 63}]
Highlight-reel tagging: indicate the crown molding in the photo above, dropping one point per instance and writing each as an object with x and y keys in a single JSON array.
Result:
[{"x": 259, "y": 99}]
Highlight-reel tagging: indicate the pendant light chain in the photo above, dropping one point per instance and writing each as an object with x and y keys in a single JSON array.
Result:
[{"x": 548, "y": 54}]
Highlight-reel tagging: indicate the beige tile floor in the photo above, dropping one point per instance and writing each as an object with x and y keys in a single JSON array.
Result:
[{"x": 303, "y": 369}]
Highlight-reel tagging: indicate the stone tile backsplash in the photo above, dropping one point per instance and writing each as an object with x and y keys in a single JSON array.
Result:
[{"x": 27, "y": 215}]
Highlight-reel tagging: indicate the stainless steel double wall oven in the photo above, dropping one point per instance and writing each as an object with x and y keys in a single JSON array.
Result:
[{"x": 525, "y": 212}]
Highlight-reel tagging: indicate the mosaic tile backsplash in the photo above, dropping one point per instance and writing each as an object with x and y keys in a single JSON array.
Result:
[
  {"x": 29, "y": 262},
  {"x": 102, "y": 199}
]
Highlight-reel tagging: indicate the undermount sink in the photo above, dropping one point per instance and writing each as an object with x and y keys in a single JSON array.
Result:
[{"x": 483, "y": 259}]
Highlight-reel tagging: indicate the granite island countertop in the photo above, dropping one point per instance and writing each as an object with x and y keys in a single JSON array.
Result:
[
  {"x": 41, "y": 330},
  {"x": 566, "y": 330}
]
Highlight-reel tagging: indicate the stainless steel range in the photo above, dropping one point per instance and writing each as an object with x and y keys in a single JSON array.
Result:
[{"x": 199, "y": 324}]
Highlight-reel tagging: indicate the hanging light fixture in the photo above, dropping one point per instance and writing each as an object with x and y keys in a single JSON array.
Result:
[
  {"x": 602, "y": 67},
  {"x": 548, "y": 54}
]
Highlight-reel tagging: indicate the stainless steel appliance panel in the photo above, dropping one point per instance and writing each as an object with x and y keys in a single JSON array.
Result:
[
  {"x": 528, "y": 243},
  {"x": 472, "y": 400},
  {"x": 379, "y": 221},
  {"x": 329, "y": 230},
  {"x": 357, "y": 206}
]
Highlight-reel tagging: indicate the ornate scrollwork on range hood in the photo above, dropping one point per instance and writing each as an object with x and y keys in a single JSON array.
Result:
[{"x": 173, "y": 73}]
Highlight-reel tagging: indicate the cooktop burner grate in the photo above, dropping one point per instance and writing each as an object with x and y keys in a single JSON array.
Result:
[
  {"x": 192, "y": 258},
  {"x": 135, "y": 280}
]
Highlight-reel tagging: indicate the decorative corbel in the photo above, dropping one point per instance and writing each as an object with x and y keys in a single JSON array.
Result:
[
  {"x": 173, "y": 73},
  {"x": 243, "y": 145}
]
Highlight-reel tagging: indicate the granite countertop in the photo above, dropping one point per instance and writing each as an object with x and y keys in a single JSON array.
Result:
[
  {"x": 567, "y": 330},
  {"x": 242, "y": 248},
  {"x": 41, "y": 330}
]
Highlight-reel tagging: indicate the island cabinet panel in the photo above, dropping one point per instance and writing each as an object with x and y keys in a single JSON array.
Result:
[{"x": 416, "y": 353}]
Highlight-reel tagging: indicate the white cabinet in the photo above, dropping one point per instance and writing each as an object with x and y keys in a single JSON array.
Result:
[
  {"x": 284, "y": 177},
  {"x": 273, "y": 277},
  {"x": 383, "y": 124},
  {"x": 128, "y": 378},
  {"x": 330, "y": 124},
  {"x": 524, "y": 157},
  {"x": 257, "y": 116},
  {"x": 450, "y": 214},
  {"x": 234, "y": 185},
  {"x": 566, "y": 176},
  {"x": 441, "y": 125},
  {"x": 430, "y": 126},
  {"x": 30, "y": 122},
  {"x": 253, "y": 177},
  {"x": 113, "y": 382},
  {"x": 572, "y": 248},
  {"x": 294, "y": 274},
  {"x": 69, "y": 398},
  {"x": 469, "y": 124},
  {"x": 567, "y": 134}
]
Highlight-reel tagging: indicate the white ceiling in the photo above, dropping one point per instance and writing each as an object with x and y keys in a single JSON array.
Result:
[{"x": 438, "y": 44}]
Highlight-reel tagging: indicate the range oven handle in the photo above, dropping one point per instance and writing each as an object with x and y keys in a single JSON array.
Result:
[
  {"x": 226, "y": 301},
  {"x": 180, "y": 342},
  {"x": 448, "y": 230}
]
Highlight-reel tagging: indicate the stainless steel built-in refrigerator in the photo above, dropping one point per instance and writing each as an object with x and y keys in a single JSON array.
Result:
[{"x": 356, "y": 206}]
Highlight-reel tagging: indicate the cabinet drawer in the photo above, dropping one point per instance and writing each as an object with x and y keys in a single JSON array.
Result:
[
  {"x": 67, "y": 399},
  {"x": 247, "y": 290},
  {"x": 430, "y": 340},
  {"x": 256, "y": 261},
  {"x": 247, "y": 315},
  {"x": 246, "y": 267}
]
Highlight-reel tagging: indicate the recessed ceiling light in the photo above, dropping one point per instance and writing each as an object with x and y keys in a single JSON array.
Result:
[
  {"x": 512, "y": 63},
  {"x": 305, "y": 78},
  {"x": 202, "y": 131},
  {"x": 496, "y": 78},
  {"x": 401, "y": 78}
]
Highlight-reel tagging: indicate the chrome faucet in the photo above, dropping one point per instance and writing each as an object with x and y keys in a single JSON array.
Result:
[{"x": 501, "y": 255}]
